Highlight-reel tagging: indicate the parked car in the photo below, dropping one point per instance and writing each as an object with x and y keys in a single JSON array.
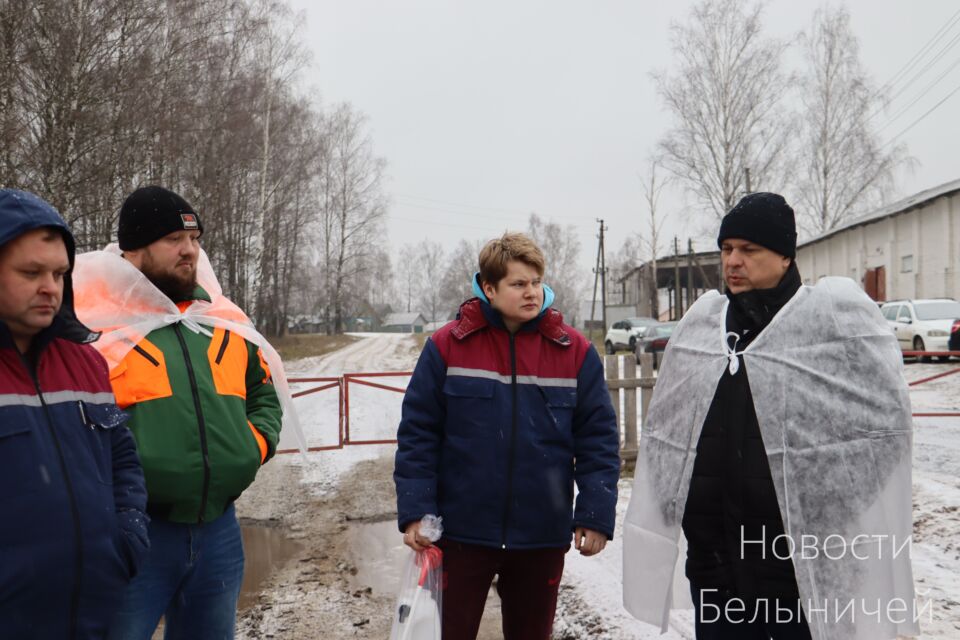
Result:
[
  {"x": 954, "y": 343},
  {"x": 922, "y": 325},
  {"x": 624, "y": 334},
  {"x": 655, "y": 340}
]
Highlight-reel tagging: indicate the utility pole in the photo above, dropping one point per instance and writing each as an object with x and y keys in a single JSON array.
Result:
[
  {"x": 603, "y": 275},
  {"x": 599, "y": 271},
  {"x": 689, "y": 272},
  {"x": 749, "y": 190},
  {"x": 677, "y": 290}
]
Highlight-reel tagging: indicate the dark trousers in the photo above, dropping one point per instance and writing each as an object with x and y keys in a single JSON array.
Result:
[
  {"x": 527, "y": 582},
  {"x": 741, "y": 625}
]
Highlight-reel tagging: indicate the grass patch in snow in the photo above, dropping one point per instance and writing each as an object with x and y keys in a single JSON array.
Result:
[
  {"x": 420, "y": 339},
  {"x": 306, "y": 345}
]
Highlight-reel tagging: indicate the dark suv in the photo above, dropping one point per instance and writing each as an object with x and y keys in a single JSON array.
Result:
[{"x": 654, "y": 340}]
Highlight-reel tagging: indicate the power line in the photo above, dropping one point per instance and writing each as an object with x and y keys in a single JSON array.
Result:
[
  {"x": 952, "y": 20},
  {"x": 445, "y": 224},
  {"x": 918, "y": 120},
  {"x": 447, "y": 210},
  {"x": 917, "y": 59},
  {"x": 513, "y": 221},
  {"x": 939, "y": 56},
  {"x": 480, "y": 208},
  {"x": 456, "y": 204},
  {"x": 930, "y": 87}
]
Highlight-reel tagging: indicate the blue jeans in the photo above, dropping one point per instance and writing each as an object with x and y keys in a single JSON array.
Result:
[{"x": 192, "y": 576}]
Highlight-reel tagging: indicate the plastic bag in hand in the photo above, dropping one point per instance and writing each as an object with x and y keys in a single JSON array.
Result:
[{"x": 417, "y": 614}]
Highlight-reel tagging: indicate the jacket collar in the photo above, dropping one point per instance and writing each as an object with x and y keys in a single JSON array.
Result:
[
  {"x": 751, "y": 311},
  {"x": 476, "y": 314}
]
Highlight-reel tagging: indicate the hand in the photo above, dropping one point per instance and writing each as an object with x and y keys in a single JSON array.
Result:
[
  {"x": 413, "y": 539},
  {"x": 589, "y": 542}
]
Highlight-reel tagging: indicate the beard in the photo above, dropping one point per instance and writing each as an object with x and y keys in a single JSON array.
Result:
[{"x": 177, "y": 288}]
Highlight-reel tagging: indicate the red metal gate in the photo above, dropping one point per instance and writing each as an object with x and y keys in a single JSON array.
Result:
[{"x": 342, "y": 384}]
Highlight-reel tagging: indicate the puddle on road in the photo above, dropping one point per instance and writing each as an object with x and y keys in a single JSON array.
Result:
[
  {"x": 378, "y": 553},
  {"x": 266, "y": 550}
]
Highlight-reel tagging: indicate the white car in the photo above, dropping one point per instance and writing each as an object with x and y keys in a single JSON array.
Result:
[
  {"x": 625, "y": 333},
  {"x": 922, "y": 325}
]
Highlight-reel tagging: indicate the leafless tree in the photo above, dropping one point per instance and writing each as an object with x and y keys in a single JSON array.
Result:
[
  {"x": 355, "y": 205},
  {"x": 281, "y": 57},
  {"x": 845, "y": 168},
  {"x": 429, "y": 263},
  {"x": 408, "y": 277},
  {"x": 98, "y": 97},
  {"x": 456, "y": 283},
  {"x": 561, "y": 247},
  {"x": 652, "y": 241},
  {"x": 725, "y": 95},
  {"x": 628, "y": 256}
]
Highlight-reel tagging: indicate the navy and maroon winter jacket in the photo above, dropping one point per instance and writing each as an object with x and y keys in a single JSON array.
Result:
[
  {"x": 496, "y": 428},
  {"x": 72, "y": 493}
]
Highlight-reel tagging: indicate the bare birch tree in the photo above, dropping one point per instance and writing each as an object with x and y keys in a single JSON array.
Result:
[
  {"x": 456, "y": 283},
  {"x": 561, "y": 247},
  {"x": 429, "y": 264},
  {"x": 652, "y": 241},
  {"x": 407, "y": 277},
  {"x": 845, "y": 168},
  {"x": 356, "y": 206},
  {"x": 725, "y": 95},
  {"x": 99, "y": 97}
]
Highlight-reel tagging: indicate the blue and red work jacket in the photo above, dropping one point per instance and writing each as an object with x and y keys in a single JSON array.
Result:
[{"x": 496, "y": 428}]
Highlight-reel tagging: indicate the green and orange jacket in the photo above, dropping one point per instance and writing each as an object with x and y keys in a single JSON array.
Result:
[{"x": 204, "y": 413}]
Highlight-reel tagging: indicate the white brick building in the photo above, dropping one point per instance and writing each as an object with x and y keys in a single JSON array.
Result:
[{"x": 910, "y": 249}]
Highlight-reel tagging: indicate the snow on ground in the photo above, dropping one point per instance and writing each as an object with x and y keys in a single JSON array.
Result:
[
  {"x": 936, "y": 495},
  {"x": 374, "y": 413},
  {"x": 590, "y": 601}
]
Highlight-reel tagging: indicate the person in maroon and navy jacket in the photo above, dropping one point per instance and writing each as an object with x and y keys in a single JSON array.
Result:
[
  {"x": 506, "y": 410},
  {"x": 71, "y": 488}
]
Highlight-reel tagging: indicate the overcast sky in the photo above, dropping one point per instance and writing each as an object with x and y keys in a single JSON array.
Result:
[{"x": 486, "y": 111}]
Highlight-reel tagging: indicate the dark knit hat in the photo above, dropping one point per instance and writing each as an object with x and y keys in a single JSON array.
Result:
[
  {"x": 763, "y": 218},
  {"x": 149, "y": 213}
]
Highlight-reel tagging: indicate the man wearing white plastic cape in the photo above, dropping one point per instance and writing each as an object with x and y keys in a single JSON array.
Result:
[
  {"x": 778, "y": 443},
  {"x": 205, "y": 394}
]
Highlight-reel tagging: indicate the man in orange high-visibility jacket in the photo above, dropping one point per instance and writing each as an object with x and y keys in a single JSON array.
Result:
[{"x": 206, "y": 416}]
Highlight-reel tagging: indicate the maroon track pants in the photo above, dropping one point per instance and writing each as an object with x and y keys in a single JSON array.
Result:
[{"x": 528, "y": 582}]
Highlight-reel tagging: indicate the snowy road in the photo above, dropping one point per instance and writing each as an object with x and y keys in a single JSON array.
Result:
[
  {"x": 936, "y": 495},
  {"x": 374, "y": 352}
]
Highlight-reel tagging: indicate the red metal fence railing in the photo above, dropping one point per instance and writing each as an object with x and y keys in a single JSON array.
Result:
[
  {"x": 938, "y": 376},
  {"x": 342, "y": 384}
]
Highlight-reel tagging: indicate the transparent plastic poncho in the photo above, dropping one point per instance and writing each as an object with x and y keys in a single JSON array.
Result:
[
  {"x": 417, "y": 615},
  {"x": 114, "y": 297},
  {"x": 826, "y": 377}
]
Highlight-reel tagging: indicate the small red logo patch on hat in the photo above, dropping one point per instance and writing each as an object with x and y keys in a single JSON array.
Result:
[{"x": 189, "y": 221}]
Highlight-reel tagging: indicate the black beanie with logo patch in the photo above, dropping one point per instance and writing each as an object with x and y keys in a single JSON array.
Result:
[{"x": 149, "y": 213}]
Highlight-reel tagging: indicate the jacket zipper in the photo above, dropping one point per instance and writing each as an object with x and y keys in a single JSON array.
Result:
[
  {"x": 223, "y": 346},
  {"x": 201, "y": 424},
  {"x": 146, "y": 355},
  {"x": 74, "y": 511},
  {"x": 513, "y": 441}
]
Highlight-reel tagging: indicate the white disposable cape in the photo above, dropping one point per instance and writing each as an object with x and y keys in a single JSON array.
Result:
[
  {"x": 114, "y": 297},
  {"x": 827, "y": 381}
]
